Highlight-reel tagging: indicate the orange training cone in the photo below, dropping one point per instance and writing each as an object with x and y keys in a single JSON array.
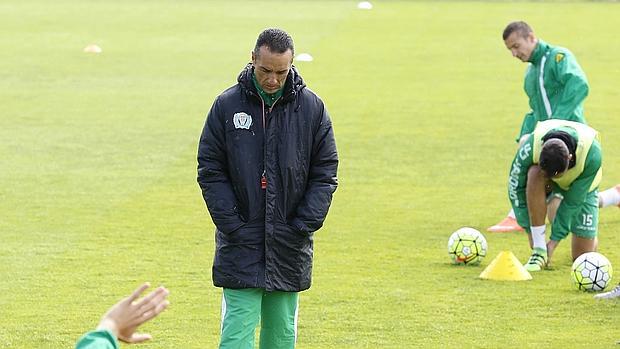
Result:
[{"x": 505, "y": 267}]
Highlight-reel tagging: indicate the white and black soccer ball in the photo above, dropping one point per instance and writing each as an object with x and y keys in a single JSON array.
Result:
[
  {"x": 591, "y": 272},
  {"x": 467, "y": 246}
]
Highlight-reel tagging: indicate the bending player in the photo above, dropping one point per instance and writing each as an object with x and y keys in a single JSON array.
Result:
[
  {"x": 556, "y": 87},
  {"x": 556, "y": 172}
]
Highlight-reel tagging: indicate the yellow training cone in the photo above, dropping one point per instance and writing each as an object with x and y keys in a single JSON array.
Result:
[{"x": 505, "y": 267}]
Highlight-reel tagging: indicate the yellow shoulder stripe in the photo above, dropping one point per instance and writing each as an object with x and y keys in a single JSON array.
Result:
[{"x": 559, "y": 57}]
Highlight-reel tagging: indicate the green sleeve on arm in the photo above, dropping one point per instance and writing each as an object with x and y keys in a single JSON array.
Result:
[
  {"x": 101, "y": 339},
  {"x": 575, "y": 88},
  {"x": 517, "y": 182},
  {"x": 576, "y": 195},
  {"x": 528, "y": 125}
]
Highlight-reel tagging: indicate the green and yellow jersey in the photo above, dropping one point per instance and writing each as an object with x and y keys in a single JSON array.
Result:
[{"x": 576, "y": 185}]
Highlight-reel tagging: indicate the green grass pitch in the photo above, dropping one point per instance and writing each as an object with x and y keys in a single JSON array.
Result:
[{"x": 97, "y": 167}]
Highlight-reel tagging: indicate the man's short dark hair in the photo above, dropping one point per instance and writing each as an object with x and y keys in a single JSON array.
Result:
[
  {"x": 276, "y": 40},
  {"x": 554, "y": 157},
  {"x": 519, "y": 26}
]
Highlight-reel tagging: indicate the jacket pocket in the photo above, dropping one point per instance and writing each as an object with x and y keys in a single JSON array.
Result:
[{"x": 293, "y": 246}]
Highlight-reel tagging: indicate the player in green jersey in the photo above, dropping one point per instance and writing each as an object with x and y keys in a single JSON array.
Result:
[
  {"x": 556, "y": 87},
  {"x": 564, "y": 156}
]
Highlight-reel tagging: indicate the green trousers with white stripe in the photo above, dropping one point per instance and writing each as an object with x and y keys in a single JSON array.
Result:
[{"x": 242, "y": 309}]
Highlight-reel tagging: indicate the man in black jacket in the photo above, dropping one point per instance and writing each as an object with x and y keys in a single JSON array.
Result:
[{"x": 267, "y": 165}]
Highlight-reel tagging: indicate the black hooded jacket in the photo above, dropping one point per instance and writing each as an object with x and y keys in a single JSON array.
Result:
[{"x": 264, "y": 237}]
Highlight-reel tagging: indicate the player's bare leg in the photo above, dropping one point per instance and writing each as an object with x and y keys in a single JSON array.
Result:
[
  {"x": 537, "y": 210},
  {"x": 581, "y": 245}
]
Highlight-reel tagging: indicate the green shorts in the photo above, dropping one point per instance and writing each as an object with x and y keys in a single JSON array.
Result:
[{"x": 583, "y": 224}]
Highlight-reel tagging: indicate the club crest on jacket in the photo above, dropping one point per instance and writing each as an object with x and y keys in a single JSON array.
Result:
[{"x": 242, "y": 120}]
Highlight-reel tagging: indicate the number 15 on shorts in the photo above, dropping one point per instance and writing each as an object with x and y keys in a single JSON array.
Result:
[{"x": 587, "y": 220}]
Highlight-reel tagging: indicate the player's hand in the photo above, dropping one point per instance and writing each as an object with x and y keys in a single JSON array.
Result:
[{"x": 126, "y": 316}]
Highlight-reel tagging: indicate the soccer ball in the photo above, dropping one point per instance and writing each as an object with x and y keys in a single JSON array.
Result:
[
  {"x": 591, "y": 272},
  {"x": 467, "y": 246}
]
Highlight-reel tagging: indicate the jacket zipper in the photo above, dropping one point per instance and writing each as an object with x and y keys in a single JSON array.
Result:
[{"x": 263, "y": 179}]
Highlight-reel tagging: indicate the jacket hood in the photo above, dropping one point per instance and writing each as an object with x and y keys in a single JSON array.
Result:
[{"x": 293, "y": 85}]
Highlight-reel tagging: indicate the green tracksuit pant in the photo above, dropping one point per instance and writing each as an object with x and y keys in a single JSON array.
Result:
[{"x": 241, "y": 310}]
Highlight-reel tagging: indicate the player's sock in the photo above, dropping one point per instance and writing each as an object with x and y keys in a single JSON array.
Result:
[
  {"x": 610, "y": 197},
  {"x": 538, "y": 237}
]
